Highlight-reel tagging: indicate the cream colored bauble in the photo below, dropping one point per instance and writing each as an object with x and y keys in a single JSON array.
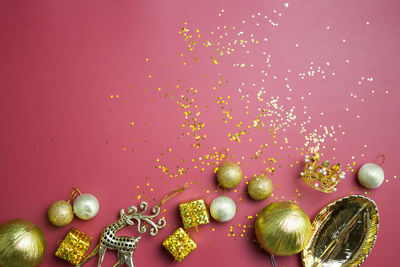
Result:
[
  {"x": 86, "y": 206},
  {"x": 371, "y": 175},
  {"x": 223, "y": 209}
]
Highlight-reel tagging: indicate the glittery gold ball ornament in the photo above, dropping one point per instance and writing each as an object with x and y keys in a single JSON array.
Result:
[
  {"x": 86, "y": 206},
  {"x": 22, "y": 243},
  {"x": 260, "y": 187},
  {"x": 229, "y": 175},
  {"x": 223, "y": 209},
  {"x": 283, "y": 228},
  {"x": 60, "y": 213},
  {"x": 371, "y": 175}
]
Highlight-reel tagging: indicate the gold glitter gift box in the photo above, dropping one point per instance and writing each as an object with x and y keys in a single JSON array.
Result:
[
  {"x": 74, "y": 246},
  {"x": 194, "y": 213},
  {"x": 179, "y": 244}
]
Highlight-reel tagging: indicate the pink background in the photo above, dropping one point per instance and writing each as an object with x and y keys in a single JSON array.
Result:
[{"x": 81, "y": 106}]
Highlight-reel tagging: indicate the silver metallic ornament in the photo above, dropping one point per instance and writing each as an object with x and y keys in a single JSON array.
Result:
[
  {"x": 371, "y": 175},
  {"x": 223, "y": 209},
  {"x": 125, "y": 245},
  {"x": 86, "y": 206}
]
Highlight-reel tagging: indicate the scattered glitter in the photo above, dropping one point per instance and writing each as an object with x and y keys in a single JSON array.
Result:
[{"x": 261, "y": 111}]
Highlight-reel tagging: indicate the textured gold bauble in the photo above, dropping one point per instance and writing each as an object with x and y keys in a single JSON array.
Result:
[
  {"x": 60, "y": 213},
  {"x": 283, "y": 228},
  {"x": 229, "y": 175},
  {"x": 260, "y": 187},
  {"x": 22, "y": 243}
]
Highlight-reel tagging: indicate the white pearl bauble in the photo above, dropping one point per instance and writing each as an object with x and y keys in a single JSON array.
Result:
[
  {"x": 371, "y": 175},
  {"x": 223, "y": 209},
  {"x": 86, "y": 206}
]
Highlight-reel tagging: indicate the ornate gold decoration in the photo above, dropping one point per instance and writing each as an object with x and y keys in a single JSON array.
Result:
[{"x": 321, "y": 177}]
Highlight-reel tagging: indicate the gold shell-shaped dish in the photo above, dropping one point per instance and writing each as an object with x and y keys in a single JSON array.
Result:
[{"x": 343, "y": 233}]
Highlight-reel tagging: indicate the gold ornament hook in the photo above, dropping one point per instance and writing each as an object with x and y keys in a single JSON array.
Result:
[
  {"x": 173, "y": 194},
  {"x": 224, "y": 153},
  {"x": 74, "y": 193}
]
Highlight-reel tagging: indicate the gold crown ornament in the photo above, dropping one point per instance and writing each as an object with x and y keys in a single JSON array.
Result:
[{"x": 321, "y": 177}]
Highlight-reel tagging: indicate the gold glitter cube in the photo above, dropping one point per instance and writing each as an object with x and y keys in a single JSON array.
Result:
[
  {"x": 74, "y": 246},
  {"x": 194, "y": 213},
  {"x": 179, "y": 244}
]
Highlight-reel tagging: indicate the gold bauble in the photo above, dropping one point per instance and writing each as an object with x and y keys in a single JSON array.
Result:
[
  {"x": 60, "y": 213},
  {"x": 260, "y": 187},
  {"x": 22, "y": 243},
  {"x": 283, "y": 228},
  {"x": 229, "y": 175}
]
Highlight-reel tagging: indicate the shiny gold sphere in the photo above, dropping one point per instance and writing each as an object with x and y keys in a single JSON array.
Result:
[
  {"x": 22, "y": 243},
  {"x": 60, "y": 213},
  {"x": 283, "y": 228},
  {"x": 260, "y": 187},
  {"x": 229, "y": 175}
]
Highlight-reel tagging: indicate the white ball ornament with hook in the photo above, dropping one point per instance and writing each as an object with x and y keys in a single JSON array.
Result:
[
  {"x": 86, "y": 206},
  {"x": 223, "y": 209},
  {"x": 371, "y": 175}
]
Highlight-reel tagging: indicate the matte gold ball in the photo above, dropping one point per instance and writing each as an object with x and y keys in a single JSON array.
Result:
[
  {"x": 229, "y": 175},
  {"x": 283, "y": 228},
  {"x": 22, "y": 243},
  {"x": 260, "y": 187},
  {"x": 60, "y": 213}
]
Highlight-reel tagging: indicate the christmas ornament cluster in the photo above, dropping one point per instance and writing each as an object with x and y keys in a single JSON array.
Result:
[
  {"x": 281, "y": 228},
  {"x": 85, "y": 207}
]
